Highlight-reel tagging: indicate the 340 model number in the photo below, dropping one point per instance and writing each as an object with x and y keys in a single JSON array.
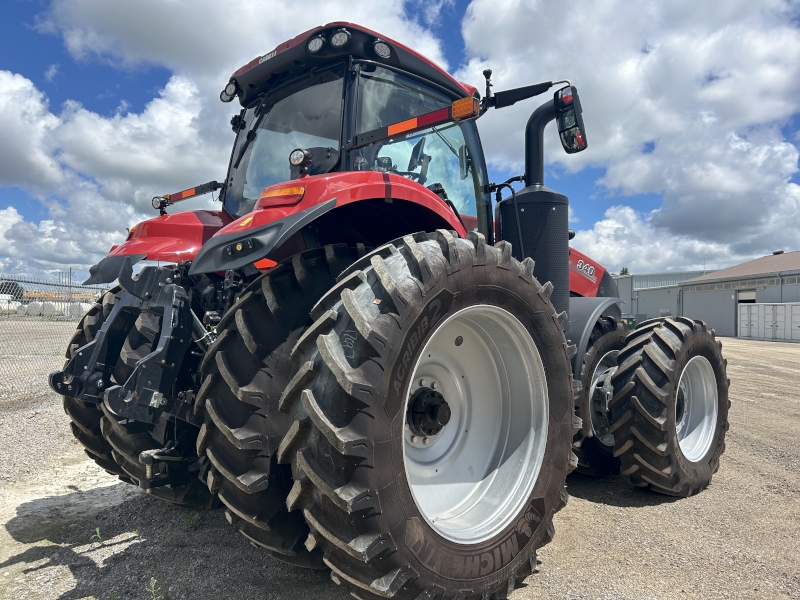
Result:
[{"x": 586, "y": 268}]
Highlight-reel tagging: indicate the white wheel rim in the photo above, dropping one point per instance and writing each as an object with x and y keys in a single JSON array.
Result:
[
  {"x": 472, "y": 478},
  {"x": 696, "y": 408},
  {"x": 600, "y": 394}
]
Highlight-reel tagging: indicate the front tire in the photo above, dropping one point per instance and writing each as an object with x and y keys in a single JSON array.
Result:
[
  {"x": 423, "y": 319},
  {"x": 670, "y": 408}
]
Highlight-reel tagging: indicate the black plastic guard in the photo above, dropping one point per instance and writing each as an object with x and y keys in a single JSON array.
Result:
[
  {"x": 221, "y": 253},
  {"x": 583, "y": 314},
  {"x": 146, "y": 393},
  {"x": 109, "y": 269}
]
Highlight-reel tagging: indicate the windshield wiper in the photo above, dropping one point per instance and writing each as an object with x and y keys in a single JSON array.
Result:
[
  {"x": 444, "y": 139},
  {"x": 253, "y": 131}
]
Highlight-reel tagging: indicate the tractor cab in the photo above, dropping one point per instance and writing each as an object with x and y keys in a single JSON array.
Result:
[{"x": 359, "y": 106}]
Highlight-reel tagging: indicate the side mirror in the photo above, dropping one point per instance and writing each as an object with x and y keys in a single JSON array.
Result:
[
  {"x": 417, "y": 154},
  {"x": 569, "y": 119},
  {"x": 464, "y": 162}
]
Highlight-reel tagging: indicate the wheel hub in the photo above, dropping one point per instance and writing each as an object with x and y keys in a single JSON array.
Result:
[{"x": 428, "y": 412}]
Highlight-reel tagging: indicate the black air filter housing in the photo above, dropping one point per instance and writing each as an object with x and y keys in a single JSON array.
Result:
[{"x": 544, "y": 222}]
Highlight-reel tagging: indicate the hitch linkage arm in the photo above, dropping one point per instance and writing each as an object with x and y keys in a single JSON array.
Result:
[{"x": 147, "y": 392}]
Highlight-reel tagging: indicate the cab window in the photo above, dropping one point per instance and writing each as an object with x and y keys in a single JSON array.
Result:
[
  {"x": 305, "y": 114},
  {"x": 441, "y": 154}
]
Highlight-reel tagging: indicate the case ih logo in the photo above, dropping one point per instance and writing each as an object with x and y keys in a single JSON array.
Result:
[
  {"x": 585, "y": 269},
  {"x": 266, "y": 57}
]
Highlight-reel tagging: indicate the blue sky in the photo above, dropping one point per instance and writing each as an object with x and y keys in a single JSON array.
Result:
[{"x": 692, "y": 114}]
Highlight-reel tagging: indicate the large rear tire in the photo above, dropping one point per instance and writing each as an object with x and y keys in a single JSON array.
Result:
[
  {"x": 246, "y": 370},
  {"x": 670, "y": 407},
  {"x": 113, "y": 443},
  {"x": 593, "y": 444},
  {"x": 435, "y": 363}
]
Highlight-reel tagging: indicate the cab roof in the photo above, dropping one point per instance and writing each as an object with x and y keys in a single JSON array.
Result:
[{"x": 292, "y": 58}]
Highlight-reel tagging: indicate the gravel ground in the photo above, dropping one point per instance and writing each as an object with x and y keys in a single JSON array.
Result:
[{"x": 68, "y": 530}]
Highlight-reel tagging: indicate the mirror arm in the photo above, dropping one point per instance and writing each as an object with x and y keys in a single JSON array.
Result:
[{"x": 534, "y": 142}]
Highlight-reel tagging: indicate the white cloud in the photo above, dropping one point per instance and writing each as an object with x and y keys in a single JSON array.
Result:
[
  {"x": 27, "y": 124},
  {"x": 51, "y": 72},
  {"x": 625, "y": 238},
  {"x": 431, "y": 10},
  {"x": 685, "y": 99},
  {"x": 177, "y": 34}
]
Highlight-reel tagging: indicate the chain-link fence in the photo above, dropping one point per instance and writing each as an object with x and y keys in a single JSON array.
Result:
[{"x": 37, "y": 320}]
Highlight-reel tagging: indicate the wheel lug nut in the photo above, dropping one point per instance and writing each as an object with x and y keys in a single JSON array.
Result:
[
  {"x": 422, "y": 382},
  {"x": 413, "y": 439},
  {"x": 407, "y": 427},
  {"x": 434, "y": 385},
  {"x": 426, "y": 441}
]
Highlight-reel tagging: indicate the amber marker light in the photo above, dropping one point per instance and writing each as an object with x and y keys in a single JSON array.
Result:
[
  {"x": 465, "y": 108},
  {"x": 287, "y": 196}
]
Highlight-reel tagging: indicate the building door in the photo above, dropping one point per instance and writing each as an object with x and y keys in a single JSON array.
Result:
[
  {"x": 760, "y": 331},
  {"x": 780, "y": 322},
  {"x": 769, "y": 321},
  {"x": 744, "y": 321},
  {"x": 795, "y": 323}
]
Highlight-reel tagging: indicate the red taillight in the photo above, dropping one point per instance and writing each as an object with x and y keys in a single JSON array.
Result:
[{"x": 288, "y": 196}]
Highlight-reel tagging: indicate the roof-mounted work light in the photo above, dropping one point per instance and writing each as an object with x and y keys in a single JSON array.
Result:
[
  {"x": 382, "y": 49},
  {"x": 229, "y": 93},
  {"x": 340, "y": 39},
  {"x": 315, "y": 44}
]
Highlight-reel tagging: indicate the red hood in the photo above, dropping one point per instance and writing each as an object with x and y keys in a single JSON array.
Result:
[{"x": 172, "y": 238}]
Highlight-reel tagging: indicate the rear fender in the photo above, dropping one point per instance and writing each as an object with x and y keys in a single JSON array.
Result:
[
  {"x": 366, "y": 206},
  {"x": 583, "y": 315}
]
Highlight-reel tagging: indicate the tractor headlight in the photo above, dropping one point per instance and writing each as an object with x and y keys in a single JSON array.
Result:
[
  {"x": 340, "y": 38},
  {"x": 382, "y": 49},
  {"x": 315, "y": 44},
  {"x": 297, "y": 157}
]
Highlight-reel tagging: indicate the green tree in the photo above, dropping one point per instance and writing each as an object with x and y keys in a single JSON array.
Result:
[{"x": 624, "y": 271}]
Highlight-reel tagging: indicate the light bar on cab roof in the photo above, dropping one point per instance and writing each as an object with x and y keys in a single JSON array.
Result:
[{"x": 460, "y": 110}]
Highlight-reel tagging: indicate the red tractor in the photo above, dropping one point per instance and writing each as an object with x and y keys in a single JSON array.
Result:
[{"x": 372, "y": 369}]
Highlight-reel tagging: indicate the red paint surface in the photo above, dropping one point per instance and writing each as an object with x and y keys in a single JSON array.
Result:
[
  {"x": 468, "y": 89},
  {"x": 347, "y": 187},
  {"x": 582, "y": 282},
  {"x": 173, "y": 238}
]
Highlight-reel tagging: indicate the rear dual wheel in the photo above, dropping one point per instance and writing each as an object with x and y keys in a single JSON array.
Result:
[
  {"x": 246, "y": 370},
  {"x": 433, "y": 413},
  {"x": 670, "y": 408}
]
